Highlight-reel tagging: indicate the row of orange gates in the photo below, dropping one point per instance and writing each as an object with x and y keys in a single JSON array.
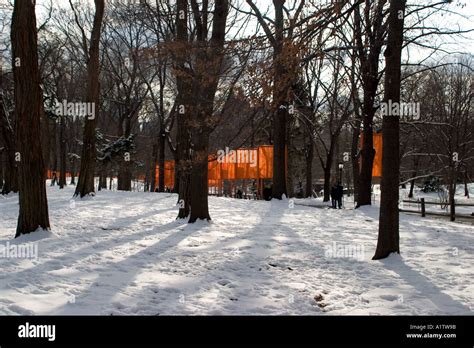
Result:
[
  {"x": 244, "y": 164},
  {"x": 241, "y": 164},
  {"x": 230, "y": 167}
]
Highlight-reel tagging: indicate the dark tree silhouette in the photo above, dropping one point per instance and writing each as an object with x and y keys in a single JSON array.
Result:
[
  {"x": 28, "y": 107},
  {"x": 388, "y": 239}
]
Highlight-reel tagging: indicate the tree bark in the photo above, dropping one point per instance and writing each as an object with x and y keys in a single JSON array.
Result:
[
  {"x": 369, "y": 57},
  {"x": 11, "y": 174},
  {"x": 85, "y": 186},
  {"x": 183, "y": 145},
  {"x": 28, "y": 105},
  {"x": 199, "y": 182},
  {"x": 209, "y": 70},
  {"x": 154, "y": 155},
  {"x": 62, "y": 154},
  {"x": 388, "y": 238},
  {"x": 280, "y": 115},
  {"x": 161, "y": 162},
  {"x": 309, "y": 169},
  {"x": 355, "y": 159}
]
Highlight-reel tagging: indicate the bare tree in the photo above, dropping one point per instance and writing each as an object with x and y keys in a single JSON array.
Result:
[
  {"x": 85, "y": 186},
  {"x": 28, "y": 106},
  {"x": 388, "y": 238}
]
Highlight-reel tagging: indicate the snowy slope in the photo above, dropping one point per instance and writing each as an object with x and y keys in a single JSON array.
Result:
[{"x": 124, "y": 253}]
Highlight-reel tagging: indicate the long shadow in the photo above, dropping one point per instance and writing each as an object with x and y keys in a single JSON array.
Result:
[
  {"x": 445, "y": 303},
  {"x": 124, "y": 280},
  {"x": 93, "y": 249},
  {"x": 263, "y": 269}
]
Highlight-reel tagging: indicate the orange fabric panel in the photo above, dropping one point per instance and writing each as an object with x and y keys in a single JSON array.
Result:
[
  {"x": 256, "y": 163},
  {"x": 213, "y": 168},
  {"x": 265, "y": 162},
  {"x": 377, "y": 143},
  {"x": 247, "y": 168},
  {"x": 377, "y": 166},
  {"x": 227, "y": 170},
  {"x": 169, "y": 174}
]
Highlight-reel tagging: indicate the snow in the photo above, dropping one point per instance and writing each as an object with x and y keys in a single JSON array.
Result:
[{"x": 124, "y": 253}]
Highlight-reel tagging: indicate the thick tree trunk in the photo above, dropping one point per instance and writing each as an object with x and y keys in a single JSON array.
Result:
[
  {"x": 280, "y": 115},
  {"x": 124, "y": 180},
  {"x": 369, "y": 57},
  {"x": 85, "y": 186},
  {"x": 388, "y": 238},
  {"x": 182, "y": 161},
  {"x": 28, "y": 104},
  {"x": 205, "y": 82},
  {"x": 199, "y": 182},
  {"x": 367, "y": 154}
]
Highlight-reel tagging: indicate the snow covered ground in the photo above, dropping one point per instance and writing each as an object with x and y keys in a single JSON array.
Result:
[{"x": 124, "y": 253}]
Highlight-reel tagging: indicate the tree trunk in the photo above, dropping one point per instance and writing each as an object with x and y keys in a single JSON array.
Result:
[
  {"x": 327, "y": 170},
  {"x": 154, "y": 154},
  {"x": 73, "y": 173},
  {"x": 28, "y": 104},
  {"x": 182, "y": 162},
  {"x": 85, "y": 186},
  {"x": 62, "y": 154},
  {"x": 466, "y": 180},
  {"x": 124, "y": 179},
  {"x": 199, "y": 182},
  {"x": 280, "y": 115},
  {"x": 369, "y": 57},
  {"x": 309, "y": 169},
  {"x": 367, "y": 154},
  {"x": 388, "y": 238},
  {"x": 415, "y": 173},
  {"x": 54, "y": 153},
  {"x": 161, "y": 162},
  {"x": 355, "y": 159},
  {"x": 11, "y": 173}
]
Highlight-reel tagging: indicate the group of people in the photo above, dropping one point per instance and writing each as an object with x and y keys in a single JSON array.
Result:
[{"x": 337, "y": 192}]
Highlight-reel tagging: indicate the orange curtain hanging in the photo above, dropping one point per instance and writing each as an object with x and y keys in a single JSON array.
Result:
[
  {"x": 249, "y": 163},
  {"x": 377, "y": 165}
]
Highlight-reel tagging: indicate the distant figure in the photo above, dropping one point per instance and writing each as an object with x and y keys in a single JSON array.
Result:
[
  {"x": 339, "y": 194},
  {"x": 334, "y": 195},
  {"x": 239, "y": 194},
  {"x": 54, "y": 179},
  {"x": 267, "y": 193},
  {"x": 253, "y": 190}
]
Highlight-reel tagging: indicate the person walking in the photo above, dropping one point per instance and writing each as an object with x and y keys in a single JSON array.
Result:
[
  {"x": 333, "y": 195},
  {"x": 339, "y": 193}
]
